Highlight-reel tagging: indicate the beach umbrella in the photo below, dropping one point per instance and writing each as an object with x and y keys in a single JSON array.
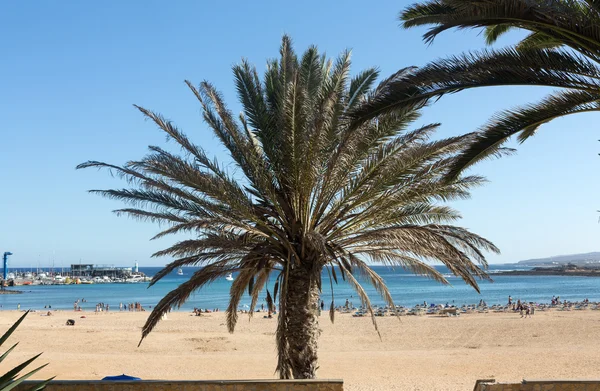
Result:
[{"x": 122, "y": 377}]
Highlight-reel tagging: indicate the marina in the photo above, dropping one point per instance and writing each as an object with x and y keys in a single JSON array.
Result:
[{"x": 77, "y": 274}]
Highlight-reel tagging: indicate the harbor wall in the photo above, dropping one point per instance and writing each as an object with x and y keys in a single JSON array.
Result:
[{"x": 187, "y": 385}]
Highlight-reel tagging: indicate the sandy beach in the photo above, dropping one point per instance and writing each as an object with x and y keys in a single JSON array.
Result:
[{"x": 416, "y": 353}]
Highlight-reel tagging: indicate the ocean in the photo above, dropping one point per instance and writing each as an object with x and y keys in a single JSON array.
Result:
[{"x": 407, "y": 289}]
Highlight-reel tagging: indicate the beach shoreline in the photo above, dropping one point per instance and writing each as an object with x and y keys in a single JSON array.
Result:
[
  {"x": 414, "y": 353},
  {"x": 10, "y": 292}
]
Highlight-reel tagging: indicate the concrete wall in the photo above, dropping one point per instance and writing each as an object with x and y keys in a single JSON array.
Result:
[
  {"x": 166, "y": 385},
  {"x": 540, "y": 385}
]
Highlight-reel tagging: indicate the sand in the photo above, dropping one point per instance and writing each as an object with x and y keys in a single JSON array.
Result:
[{"x": 417, "y": 353}]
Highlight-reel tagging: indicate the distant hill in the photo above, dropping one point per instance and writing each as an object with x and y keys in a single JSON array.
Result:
[{"x": 587, "y": 258}]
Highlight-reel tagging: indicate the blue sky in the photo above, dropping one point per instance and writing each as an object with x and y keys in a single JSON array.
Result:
[{"x": 71, "y": 70}]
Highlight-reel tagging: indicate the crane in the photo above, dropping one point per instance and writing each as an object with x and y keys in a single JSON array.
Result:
[{"x": 5, "y": 258}]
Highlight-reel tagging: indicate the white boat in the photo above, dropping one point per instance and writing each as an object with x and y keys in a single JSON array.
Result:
[
  {"x": 135, "y": 278},
  {"x": 229, "y": 277},
  {"x": 180, "y": 272}
]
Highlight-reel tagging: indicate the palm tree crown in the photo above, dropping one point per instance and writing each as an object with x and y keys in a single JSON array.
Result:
[
  {"x": 562, "y": 50},
  {"x": 314, "y": 189}
]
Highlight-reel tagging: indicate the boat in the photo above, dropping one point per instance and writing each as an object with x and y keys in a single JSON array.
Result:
[
  {"x": 180, "y": 272},
  {"x": 135, "y": 278},
  {"x": 229, "y": 277}
]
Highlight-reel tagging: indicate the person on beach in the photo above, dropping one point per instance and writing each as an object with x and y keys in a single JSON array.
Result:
[
  {"x": 19, "y": 307},
  {"x": 322, "y": 305},
  {"x": 509, "y": 300}
]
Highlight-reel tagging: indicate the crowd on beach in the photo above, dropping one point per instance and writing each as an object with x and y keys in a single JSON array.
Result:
[
  {"x": 132, "y": 307},
  {"x": 522, "y": 307},
  {"x": 199, "y": 311},
  {"x": 105, "y": 307}
]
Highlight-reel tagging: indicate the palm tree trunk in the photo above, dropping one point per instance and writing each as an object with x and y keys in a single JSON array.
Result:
[{"x": 302, "y": 301}]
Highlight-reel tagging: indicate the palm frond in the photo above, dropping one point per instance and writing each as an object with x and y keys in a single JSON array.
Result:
[
  {"x": 537, "y": 40},
  {"x": 237, "y": 290},
  {"x": 179, "y": 295},
  {"x": 506, "y": 67},
  {"x": 524, "y": 122},
  {"x": 575, "y": 25},
  {"x": 364, "y": 298},
  {"x": 492, "y": 33}
]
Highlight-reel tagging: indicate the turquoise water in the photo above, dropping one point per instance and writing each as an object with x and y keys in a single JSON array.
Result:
[{"x": 407, "y": 289}]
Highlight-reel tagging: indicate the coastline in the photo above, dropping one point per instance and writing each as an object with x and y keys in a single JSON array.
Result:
[
  {"x": 426, "y": 352},
  {"x": 551, "y": 272},
  {"x": 10, "y": 292}
]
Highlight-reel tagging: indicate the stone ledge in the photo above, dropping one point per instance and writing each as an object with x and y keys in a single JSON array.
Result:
[
  {"x": 190, "y": 385},
  {"x": 539, "y": 385}
]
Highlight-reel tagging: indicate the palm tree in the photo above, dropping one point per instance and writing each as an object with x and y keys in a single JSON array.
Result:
[
  {"x": 310, "y": 190},
  {"x": 561, "y": 50}
]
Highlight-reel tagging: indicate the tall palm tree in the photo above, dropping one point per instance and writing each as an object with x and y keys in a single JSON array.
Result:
[
  {"x": 561, "y": 50},
  {"x": 310, "y": 190}
]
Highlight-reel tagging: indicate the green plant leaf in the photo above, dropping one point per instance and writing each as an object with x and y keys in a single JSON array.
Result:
[{"x": 12, "y": 328}]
